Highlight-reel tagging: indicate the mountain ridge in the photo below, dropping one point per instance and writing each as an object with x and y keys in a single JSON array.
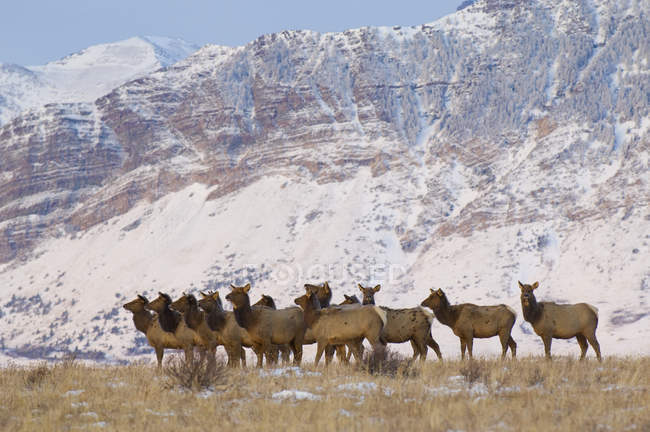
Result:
[{"x": 502, "y": 142}]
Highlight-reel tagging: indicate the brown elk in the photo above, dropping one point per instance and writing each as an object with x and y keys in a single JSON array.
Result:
[
  {"x": 227, "y": 331},
  {"x": 148, "y": 323},
  {"x": 469, "y": 321},
  {"x": 267, "y": 301},
  {"x": 560, "y": 321},
  {"x": 323, "y": 292},
  {"x": 340, "y": 325},
  {"x": 410, "y": 324},
  {"x": 267, "y": 326},
  {"x": 196, "y": 320},
  {"x": 350, "y": 300}
]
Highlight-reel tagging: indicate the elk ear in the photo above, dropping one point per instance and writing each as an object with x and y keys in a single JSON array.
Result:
[
  {"x": 432, "y": 291},
  {"x": 377, "y": 288},
  {"x": 232, "y": 286},
  {"x": 521, "y": 286},
  {"x": 439, "y": 292},
  {"x": 247, "y": 287},
  {"x": 535, "y": 285},
  {"x": 215, "y": 295},
  {"x": 347, "y": 297},
  {"x": 143, "y": 298},
  {"x": 326, "y": 286},
  {"x": 360, "y": 287}
]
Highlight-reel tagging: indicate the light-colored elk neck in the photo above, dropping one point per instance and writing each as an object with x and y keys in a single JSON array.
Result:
[
  {"x": 311, "y": 316},
  {"x": 532, "y": 312},
  {"x": 142, "y": 320}
]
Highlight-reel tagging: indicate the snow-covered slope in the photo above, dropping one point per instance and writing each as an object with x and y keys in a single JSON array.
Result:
[
  {"x": 506, "y": 142},
  {"x": 86, "y": 75}
]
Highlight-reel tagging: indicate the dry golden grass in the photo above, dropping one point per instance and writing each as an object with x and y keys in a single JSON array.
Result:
[{"x": 527, "y": 394}]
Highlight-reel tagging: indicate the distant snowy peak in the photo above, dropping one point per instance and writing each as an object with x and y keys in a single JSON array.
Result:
[{"x": 86, "y": 75}]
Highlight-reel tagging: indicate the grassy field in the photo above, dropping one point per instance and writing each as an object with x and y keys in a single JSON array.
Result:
[{"x": 486, "y": 394}]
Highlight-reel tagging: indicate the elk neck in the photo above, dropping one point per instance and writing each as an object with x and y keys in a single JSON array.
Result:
[
  {"x": 532, "y": 312},
  {"x": 446, "y": 313},
  {"x": 169, "y": 319},
  {"x": 142, "y": 320}
]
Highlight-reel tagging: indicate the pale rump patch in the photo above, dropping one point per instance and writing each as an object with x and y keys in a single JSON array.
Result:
[
  {"x": 513, "y": 311},
  {"x": 593, "y": 308},
  {"x": 382, "y": 314},
  {"x": 427, "y": 314}
]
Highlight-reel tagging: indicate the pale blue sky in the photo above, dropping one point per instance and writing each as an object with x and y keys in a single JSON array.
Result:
[{"x": 37, "y": 31}]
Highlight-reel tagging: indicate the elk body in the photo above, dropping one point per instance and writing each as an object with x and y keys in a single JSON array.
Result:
[
  {"x": 267, "y": 301},
  {"x": 324, "y": 294},
  {"x": 402, "y": 325},
  {"x": 224, "y": 325},
  {"x": 267, "y": 326},
  {"x": 195, "y": 319},
  {"x": 560, "y": 321},
  {"x": 148, "y": 323},
  {"x": 469, "y": 321},
  {"x": 340, "y": 325}
]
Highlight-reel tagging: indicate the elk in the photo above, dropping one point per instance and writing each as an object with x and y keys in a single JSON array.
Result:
[
  {"x": 469, "y": 321},
  {"x": 267, "y": 326},
  {"x": 339, "y": 325},
  {"x": 267, "y": 301},
  {"x": 323, "y": 292},
  {"x": 227, "y": 331},
  {"x": 560, "y": 321},
  {"x": 412, "y": 324},
  {"x": 195, "y": 319},
  {"x": 350, "y": 300},
  {"x": 148, "y": 323}
]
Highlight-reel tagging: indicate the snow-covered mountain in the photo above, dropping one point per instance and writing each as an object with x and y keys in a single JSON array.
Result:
[
  {"x": 86, "y": 75},
  {"x": 507, "y": 141}
]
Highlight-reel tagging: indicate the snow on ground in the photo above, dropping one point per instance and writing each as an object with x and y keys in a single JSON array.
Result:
[{"x": 307, "y": 232}]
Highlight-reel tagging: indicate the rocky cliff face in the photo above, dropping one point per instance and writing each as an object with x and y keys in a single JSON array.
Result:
[{"x": 526, "y": 120}]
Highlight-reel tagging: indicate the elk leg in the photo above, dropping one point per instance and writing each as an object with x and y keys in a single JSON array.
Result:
[
  {"x": 595, "y": 345},
  {"x": 296, "y": 347},
  {"x": 159, "y": 355},
  {"x": 462, "y": 348},
  {"x": 582, "y": 341},
  {"x": 329, "y": 353},
  {"x": 416, "y": 350},
  {"x": 341, "y": 354},
  {"x": 513, "y": 346},
  {"x": 286, "y": 357},
  {"x": 547, "y": 346},
  {"x": 260, "y": 350},
  {"x": 470, "y": 344},
  {"x": 434, "y": 346},
  {"x": 319, "y": 353},
  {"x": 504, "y": 338},
  {"x": 242, "y": 357},
  {"x": 421, "y": 348}
]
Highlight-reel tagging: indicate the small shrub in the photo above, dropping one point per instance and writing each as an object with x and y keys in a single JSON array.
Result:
[
  {"x": 37, "y": 375},
  {"x": 387, "y": 362},
  {"x": 195, "y": 376},
  {"x": 536, "y": 377},
  {"x": 472, "y": 372}
]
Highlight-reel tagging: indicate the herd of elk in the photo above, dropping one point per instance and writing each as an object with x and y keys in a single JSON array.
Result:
[{"x": 188, "y": 323}]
